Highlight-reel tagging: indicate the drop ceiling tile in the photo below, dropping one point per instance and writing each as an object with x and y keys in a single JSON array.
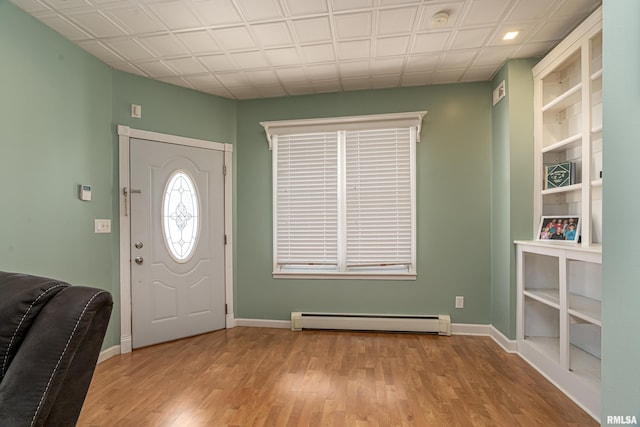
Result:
[
  {"x": 322, "y": 72},
  {"x": 219, "y": 91},
  {"x": 266, "y": 77},
  {"x": 292, "y": 75},
  {"x": 176, "y": 81},
  {"x": 273, "y": 34},
  {"x": 271, "y": 91},
  {"x": 134, "y": 19},
  {"x": 318, "y": 53},
  {"x": 553, "y": 30},
  {"x": 204, "y": 81},
  {"x": 482, "y": 12},
  {"x": 217, "y": 62},
  {"x": 235, "y": 38},
  {"x": 230, "y": 80},
  {"x": 128, "y": 68},
  {"x": 416, "y": 79},
  {"x": 185, "y": 66},
  {"x": 199, "y": 42},
  {"x": 433, "y": 42},
  {"x": 357, "y": 83},
  {"x": 493, "y": 56},
  {"x": 31, "y": 6},
  {"x": 248, "y": 60},
  {"x": 382, "y": 82},
  {"x": 391, "y": 46},
  {"x": 313, "y": 30},
  {"x": 471, "y": 38},
  {"x": 326, "y": 86},
  {"x": 155, "y": 69},
  {"x": 64, "y": 27},
  {"x": 353, "y": 69},
  {"x": 354, "y": 50},
  {"x": 175, "y": 15},
  {"x": 449, "y": 76},
  {"x": 66, "y": 4},
  {"x": 309, "y": 7},
  {"x": 244, "y": 92},
  {"x": 528, "y": 10},
  {"x": 100, "y": 51},
  {"x": 429, "y": 10},
  {"x": 533, "y": 50},
  {"x": 394, "y": 2},
  {"x": 220, "y": 12},
  {"x": 456, "y": 59},
  {"x": 162, "y": 45},
  {"x": 256, "y": 10},
  {"x": 97, "y": 24},
  {"x": 339, "y": 5},
  {"x": 387, "y": 66},
  {"x": 129, "y": 49},
  {"x": 298, "y": 89},
  {"x": 422, "y": 63},
  {"x": 353, "y": 25},
  {"x": 576, "y": 8},
  {"x": 396, "y": 21},
  {"x": 479, "y": 74},
  {"x": 283, "y": 57}
]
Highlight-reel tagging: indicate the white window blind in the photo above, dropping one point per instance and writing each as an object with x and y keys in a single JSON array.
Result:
[
  {"x": 307, "y": 199},
  {"x": 344, "y": 199},
  {"x": 379, "y": 198}
]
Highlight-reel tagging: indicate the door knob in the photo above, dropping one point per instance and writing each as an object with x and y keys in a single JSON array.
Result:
[
  {"x": 138, "y": 245},
  {"x": 139, "y": 260}
]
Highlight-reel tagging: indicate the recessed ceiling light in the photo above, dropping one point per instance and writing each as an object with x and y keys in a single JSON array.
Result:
[{"x": 511, "y": 35}]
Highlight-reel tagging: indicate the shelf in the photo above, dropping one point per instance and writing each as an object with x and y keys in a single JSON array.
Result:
[
  {"x": 596, "y": 75},
  {"x": 596, "y": 182},
  {"x": 550, "y": 297},
  {"x": 572, "y": 142},
  {"x": 586, "y": 309},
  {"x": 564, "y": 100},
  {"x": 550, "y": 347},
  {"x": 565, "y": 189},
  {"x": 596, "y": 129},
  {"x": 585, "y": 365}
]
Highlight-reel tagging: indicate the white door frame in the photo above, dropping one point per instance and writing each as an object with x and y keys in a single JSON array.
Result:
[{"x": 125, "y": 133}]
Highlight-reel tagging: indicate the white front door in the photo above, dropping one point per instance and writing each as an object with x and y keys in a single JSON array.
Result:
[{"x": 177, "y": 241}]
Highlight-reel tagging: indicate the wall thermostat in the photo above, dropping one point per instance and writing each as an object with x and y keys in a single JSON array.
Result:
[{"x": 85, "y": 192}]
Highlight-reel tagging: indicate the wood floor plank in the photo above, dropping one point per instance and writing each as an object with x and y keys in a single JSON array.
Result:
[{"x": 278, "y": 378}]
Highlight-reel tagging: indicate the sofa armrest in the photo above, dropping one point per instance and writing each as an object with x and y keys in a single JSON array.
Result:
[{"x": 47, "y": 381}]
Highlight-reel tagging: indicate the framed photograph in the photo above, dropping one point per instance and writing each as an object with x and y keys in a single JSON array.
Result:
[{"x": 559, "y": 228}]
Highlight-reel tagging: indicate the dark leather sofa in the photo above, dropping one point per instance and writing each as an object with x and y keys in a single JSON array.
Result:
[{"x": 50, "y": 339}]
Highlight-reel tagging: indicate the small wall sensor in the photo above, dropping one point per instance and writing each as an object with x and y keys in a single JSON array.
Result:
[
  {"x": 85, "y": 192},
  {"x": 499, "y": 92},
  {"x": 136, "y": 111}
]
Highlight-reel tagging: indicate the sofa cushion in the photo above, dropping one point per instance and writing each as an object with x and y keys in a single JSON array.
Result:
[{"x": 21, "y": 298}]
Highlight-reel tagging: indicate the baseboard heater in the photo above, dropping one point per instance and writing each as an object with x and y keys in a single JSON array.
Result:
[{"x": 435, "y": 324}]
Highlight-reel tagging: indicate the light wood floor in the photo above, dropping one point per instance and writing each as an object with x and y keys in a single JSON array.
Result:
[{"x": 275, "y": 377}]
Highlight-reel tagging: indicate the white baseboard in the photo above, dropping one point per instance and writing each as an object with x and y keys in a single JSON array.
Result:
[
  {"x": 231, "y": 321},
  {"x": 510, "y": 346},
  {"x": 126, "y": 344},
  {"x": 264, "y": 323},
  {"x": 109, "y": 353},
  {"x": 469, "y": 329}
]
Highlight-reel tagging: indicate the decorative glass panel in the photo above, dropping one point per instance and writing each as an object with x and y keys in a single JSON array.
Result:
[{"x": 180, "y": 216}]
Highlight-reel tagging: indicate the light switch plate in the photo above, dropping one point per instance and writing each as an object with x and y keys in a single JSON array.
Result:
[{"x": 102, "y": 226}]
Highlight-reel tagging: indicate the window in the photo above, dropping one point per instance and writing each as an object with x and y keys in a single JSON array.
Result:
[
  {"x": 344, "y": 196},
  {"x": 180, "y": 216}
]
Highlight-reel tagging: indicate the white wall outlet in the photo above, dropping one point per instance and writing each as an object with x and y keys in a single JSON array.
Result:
[
  {"x": 136, "y": 111},
  {"x": 459, "y": 302},
  {"x": 102, "y": 226}
]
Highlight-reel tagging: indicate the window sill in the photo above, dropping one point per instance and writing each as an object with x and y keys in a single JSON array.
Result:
[{"x": 341, "y": 276}]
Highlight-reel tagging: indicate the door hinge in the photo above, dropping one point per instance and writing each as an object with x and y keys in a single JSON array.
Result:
[
  {"x": 226, "y": 309},
  {"x": 225, "y": 239},
  {"x": 224, "y": 170}
]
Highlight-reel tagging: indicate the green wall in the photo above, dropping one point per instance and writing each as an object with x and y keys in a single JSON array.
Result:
[
  {"x": 453, "y": 205},
  {"x": 59, "y": 111},
  {"x": 621, "y": 210},
  {"x": 511, "y": 186}
]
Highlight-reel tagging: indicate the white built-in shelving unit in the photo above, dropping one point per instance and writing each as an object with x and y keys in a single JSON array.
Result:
[{"x": 559, "y": 323}]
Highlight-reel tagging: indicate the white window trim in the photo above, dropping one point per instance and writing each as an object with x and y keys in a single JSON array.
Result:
[{"x": 411, "y": 120}]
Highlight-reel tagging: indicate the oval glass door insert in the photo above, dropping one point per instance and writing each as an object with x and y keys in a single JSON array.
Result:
[{"x": 180, "y": 212}]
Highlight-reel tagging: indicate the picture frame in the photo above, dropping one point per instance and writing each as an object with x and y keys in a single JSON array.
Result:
[{"x": 569, "y": 227}]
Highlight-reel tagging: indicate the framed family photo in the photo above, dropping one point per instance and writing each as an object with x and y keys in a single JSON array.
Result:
[{"x": 565, "y": 228}]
